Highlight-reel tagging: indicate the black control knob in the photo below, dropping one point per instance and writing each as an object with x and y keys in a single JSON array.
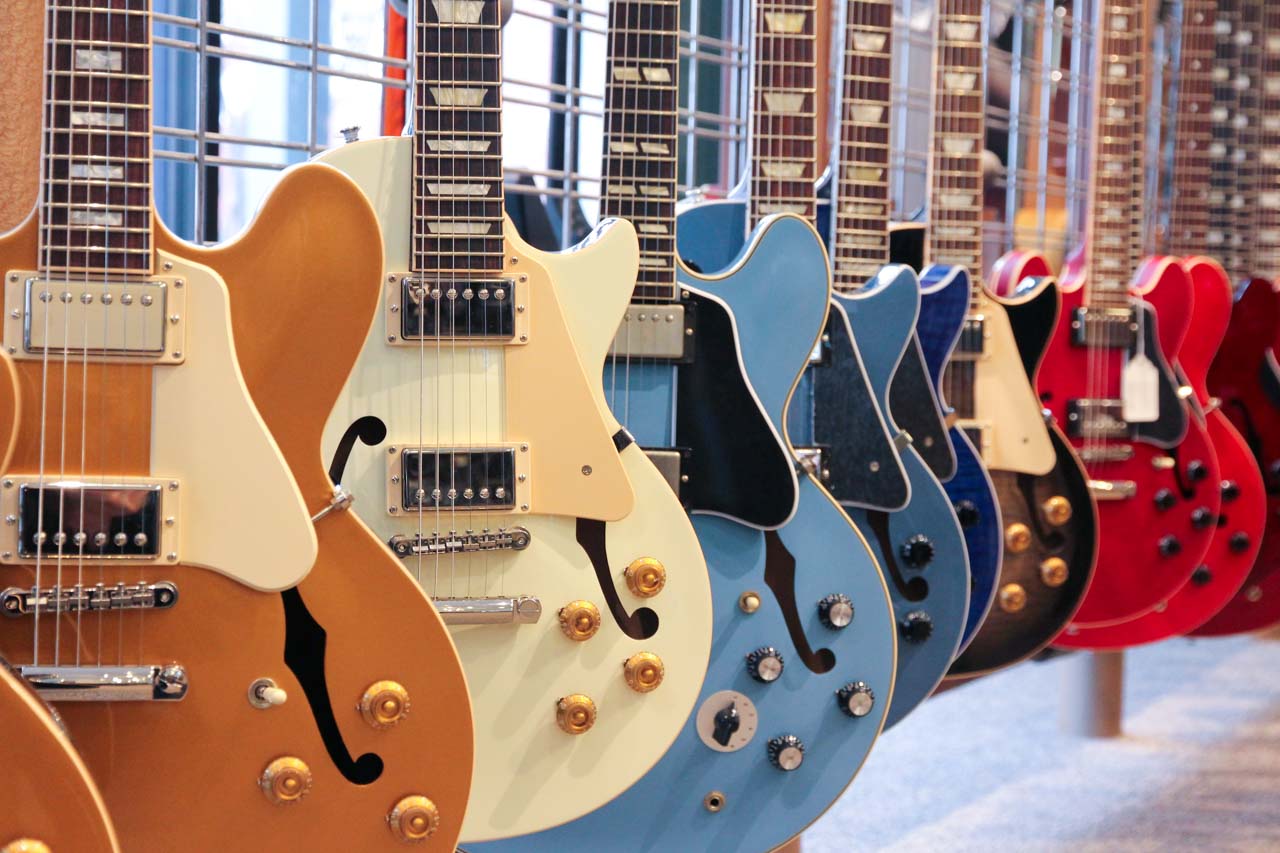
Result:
[
  {"x": 1169, "y": 546},
  {"x": 1201, "y": 517},
  {"x": 727, "y": 721},
  {"x": 1239, "y": 542},
  {"x": 917, "y": 552},
  {"x": 1196, "y": 471},
  {"x": 786, "y": 752},
  {"x": 856, "y": 699},
  {"x": 1165, "y": 499},
  {"x": 765, "y": 664},
  {"x": 835, "y": 611},
  {"x": 1201, "y": 575},
  {"x": 1230, "y": 490},
  {"x": 967, "y": 513},
  {"x": 916, "y": 626}
]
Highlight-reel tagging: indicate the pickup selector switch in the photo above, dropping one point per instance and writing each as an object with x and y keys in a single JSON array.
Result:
[
  {"x": 727, "y": 723},
  {"x": 786, "y": 752},
  {"x": 856, "y": 699},
  {"x": 916, "y": 626},
  {"x": 835, "y": 611},
  {"x": 765, "y": 664},
  {"x": 917, "y": 552}
]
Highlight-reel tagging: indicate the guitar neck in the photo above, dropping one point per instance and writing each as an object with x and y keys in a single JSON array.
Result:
[
  {"x": 1267, "y": 245},
  {"x": 783, "y": 125},
  {"x": 1248, "y": 197},
  {"x": 1113, "y": 174},
  {"x": 955, "y": 181},
  {"x": 1189, "y": 219},
  {"x": 860, "y": 197},
  {"x": 95, "y": 201},
  {"x": 1222, "y": 144},
  {"x": 640, "y": 119},
  {"x": 458, "y": 191}
]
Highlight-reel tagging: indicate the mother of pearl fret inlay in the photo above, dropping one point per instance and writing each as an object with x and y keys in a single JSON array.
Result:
[
  {"x": 869, "y": 42},
  {"x": 95, "y": 119},
  {"x": 96, "y": 171},
  {"x": 957, "y": 145},
  {"x": 472, "y": 146},
  {"x": 783, "y": 168},
  {"x": 655, "y": 148},
  {"x": 459, "y": 189},
  {"x": 651, "y": 228},
  {"x": 783, "y": 103},
  {"x": 961, "y": 31},
  {"x": 783, "y": 207},
  {"x": 96, "y": 217},
  {"x": 99, "y": 60},
  {"x": 1117, "y": 69},
  {"x": 458, "y": 96},
  {"x": 851, "y": 208},
  {"x": 868, "y": 114},
  {"x": 459, "y": 11},
  {"x": 958, "y": 199},
  {"x": 960, "y": 81},
  {"x": 437, "y": 226},
  {"x": 785, "y": 22}
]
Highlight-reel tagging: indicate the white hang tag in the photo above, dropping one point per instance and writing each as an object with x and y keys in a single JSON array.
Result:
[{"x": 1140, "y": 390}]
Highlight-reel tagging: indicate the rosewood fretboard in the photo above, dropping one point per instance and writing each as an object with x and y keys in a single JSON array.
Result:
[{"x": 1193, "y": 131}]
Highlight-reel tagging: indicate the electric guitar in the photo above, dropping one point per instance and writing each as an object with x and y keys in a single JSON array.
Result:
[
  {"x": 1108, "y": 376},
  {"x": 499, "y": 476},
  {"x": 801, "y": 673},
  {"x": 1245, "y": 375},
  {"x": 1238, "y": 527},
  {"x": 1049, "y": 518},
  {"x": 49, "y": 802},
  {"x": 165, "y": 584}
]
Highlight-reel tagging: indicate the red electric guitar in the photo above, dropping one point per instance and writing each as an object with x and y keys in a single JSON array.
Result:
[{"x": 1108, "y": 376}]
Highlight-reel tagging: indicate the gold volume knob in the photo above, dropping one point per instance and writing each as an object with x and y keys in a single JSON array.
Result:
[
  {"x": 384, "y": 704},
  {"x": 1012, "y": 598},
  {"x": 643, "y": 671},
  {"x": 286, "y": 780},
  {"x": 26, "y": 845},
  {"x": 1017, "y": 537},
  {"x": 1053, "y": 571},
  {"x": 413, "y": 819},
  {"x": 579, "y": 620},
  {"x": 575, "y": 713},
  {"x": 646, "y": 577},
  {"x": 1057, "y": 510}
]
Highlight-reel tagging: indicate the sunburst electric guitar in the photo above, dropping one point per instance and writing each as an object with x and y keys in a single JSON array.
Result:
[
  {"x": 211, "y": 649},
  {"x": 498, "y": 474}
]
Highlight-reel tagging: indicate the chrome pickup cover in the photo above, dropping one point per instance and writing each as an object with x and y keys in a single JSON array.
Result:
[
  {"x": 130, "y": 321},
  {"x": 1096, "y": 418},
  {"x": 654, "y": 331},
  {"x": 503, "y": 539},
  {"x": 15, "y": 602},
  {"x": 107, "y": 683},
  {"x": 1113, "y": 328},
  {"x": 127, "y": 520},
  {"x": 483, "y": 311},
  {"x": 476, "y": 478}
]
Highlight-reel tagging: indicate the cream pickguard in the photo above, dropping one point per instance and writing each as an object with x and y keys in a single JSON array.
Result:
[{"x": 544, "y": 395}]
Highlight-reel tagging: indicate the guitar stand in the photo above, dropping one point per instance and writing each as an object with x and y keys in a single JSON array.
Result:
[{"x": 1093, "y": 695}]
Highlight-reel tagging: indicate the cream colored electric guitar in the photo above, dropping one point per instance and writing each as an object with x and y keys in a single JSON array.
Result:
[{"x": 476, "y": 439}]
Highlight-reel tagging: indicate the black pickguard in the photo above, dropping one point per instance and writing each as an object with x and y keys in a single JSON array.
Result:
[
  {"x": 640, "y": 625},
  {"x": 915, "y": 410},
  {"x": 1170, "y": 427},
  {"x": 1033, "y": 323},
  {"x": 863, "y": 463},
  {"x": 736, "y": 466},
  {"x": 304, "y": 649},
  {"x": 906, "y": 246}
]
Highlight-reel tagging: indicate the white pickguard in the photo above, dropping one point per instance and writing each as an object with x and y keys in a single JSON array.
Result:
[{"x": 530, "y": 775}]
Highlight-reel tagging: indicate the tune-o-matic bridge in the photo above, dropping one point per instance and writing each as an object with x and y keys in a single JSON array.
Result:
[
  {"x": 1113, "y": 328},
  {"x": 15, "y": 602},
  {"x": 433, "y": 544},
  {"x": 102, "y": 321},
  {"x": 1088, "y": 418},
  {"x": 482, "y": 310},
  {"x": 477, "y": 478},
  {"x": 130, "y": 519}
]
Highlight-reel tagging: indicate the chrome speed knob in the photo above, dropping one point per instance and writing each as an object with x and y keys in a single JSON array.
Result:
[
  {"x": 835, "y": 611},
  {"x": 765, "y": 664},
  {"x": 856, "y": 699},
  {"x": 786, "y": 752}
]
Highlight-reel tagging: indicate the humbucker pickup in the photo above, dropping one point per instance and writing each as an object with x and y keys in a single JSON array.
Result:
[
  {"x": 485, "y": 311},
  {"x": 1113, "y": 328},
  {"x": 973, "y": 338},
  {"x": 130, "y": 321},
  {"x": 15, "y": 602},
  {"x": 96, "y": 521},
  {"x": 482, "y": 478},
  {"x": 1096, "y": 419},
  {"x": 663, "y": 332}
]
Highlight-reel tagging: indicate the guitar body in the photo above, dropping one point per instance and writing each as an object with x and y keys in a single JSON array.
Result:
[
  {"x": 944, "y": 302},
  {"x": 226, "y": 633},
  {"x": 1044, "y": 579},
  {"x": 590, "y": 510},
  {"x": 1245, "y": 376},
  {"x": 731, "y": 797},
  {"x": 1172, "y": 453},
  {"x": 48, "y": 796}
]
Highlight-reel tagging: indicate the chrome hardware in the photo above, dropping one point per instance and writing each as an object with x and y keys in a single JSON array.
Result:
[
  {"x": 484, "y": 478},
  {"x": 341, "y": 500},
  {"x": 481, "y": 311},
  {"x": 1112, "y": 490},
  {"x": 814, "y": 460},
  {"x": 263, "y": 693},
  {"x": 902, "y": 441},
  {"x": 15, "y": 602},
  {"x": 103, "y": 321},
  {"x": 107, "y": 683},
  {"x": 669, "y": 464},
  {"x": 1163, "y": 463},
  {"x": 713, "y": 801},
  {"x": 350, "y": 134},
  {"x": 652, "y": 331},
  {"x": 1113, "y": 328},
  {"x": 506, "y": 539},
  {"x": 521, "y": 610},
  {"x": 1185, "y": 392},
  {"x": 1096, "y": 418},
  {"x": 1109, "y": 453}
]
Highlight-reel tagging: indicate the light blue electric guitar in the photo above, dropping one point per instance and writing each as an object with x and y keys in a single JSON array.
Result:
[{"x": 802, "y": 663}]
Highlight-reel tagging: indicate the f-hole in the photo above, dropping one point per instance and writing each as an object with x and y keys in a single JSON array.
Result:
[
  {"x": 370, "y": 430},
  {"x": 1052, "y": 539},
  {"x": 916, "y": 589},
  {"x": 780, "y": 575},
  {"x": 640, "y": 625},
  {"x": 304, "y": 647},
  {"x": 1185, "y": 488}
]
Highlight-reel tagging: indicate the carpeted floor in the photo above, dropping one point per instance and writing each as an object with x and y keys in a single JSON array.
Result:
[{"x": 986, "y": 767}]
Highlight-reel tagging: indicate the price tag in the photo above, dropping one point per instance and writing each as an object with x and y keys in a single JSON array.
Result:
[{"x": 1140, "y": 390}]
